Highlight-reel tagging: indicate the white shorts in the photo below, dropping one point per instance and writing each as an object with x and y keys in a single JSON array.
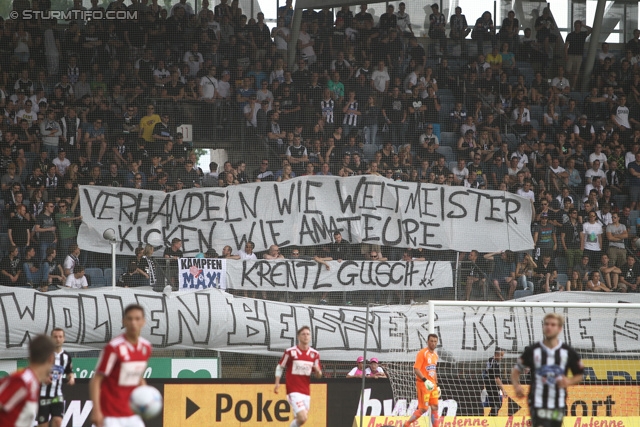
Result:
[
  {"x": 298, "y": 401},
  {"x": 132, "y": 421}
]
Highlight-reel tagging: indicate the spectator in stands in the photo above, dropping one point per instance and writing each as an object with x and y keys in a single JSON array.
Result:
[
  {"x": 77, "y": 280},
  {"x": 504, "y": 271},
  {"x": 609, "y": 273},
  {"x": 620, "y": 117},
  {"x": 544, "y": 238},
  {"x": 358, "y": 371},
  {"x": 594, "y": 284},
  {"x": 395, "y": 115},
  {"x": 546, "y": 275},
  {"x": 616, "y": 235},
  {"x": 273, "y": 253},
  {"x": 629, "y": 278},
  {"x": 484, "y": 30},
  {"x": 574, "y": 50},
  {"x": 374, "y": 370},
  {"x": 37, "y": 276},
  {"x": 437, "y": 24},
  {"x": 46, "y": 229},
  {"x": 475, "y": 275},
  {"x": 522, "y": 118},
  {"x": 175, "y": 250},
  {"x": 11, "y": 273},
  {"x": 459, "y": 29},
  {"x": 95, "y": 135},
  {"x": 66, "y": 227},
  {"x": 247, "y": 253},
  {"x": 19, "y": 229},
  {"x": 591, "y": 239},
  {"x": 634, "y": 181}
]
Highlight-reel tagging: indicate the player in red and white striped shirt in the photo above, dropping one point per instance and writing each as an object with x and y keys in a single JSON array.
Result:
[
  {"x": 119, "y": 371},
  {"x": 300, "y": 363},
  {"x": 19, "y": 392}
]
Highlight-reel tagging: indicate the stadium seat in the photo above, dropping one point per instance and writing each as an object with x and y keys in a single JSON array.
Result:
[
  {"x": 447, "y": 152},
  {"x": 370, "y": 150},
  {"x": 561, "y": 265},
  {"x": 98, "y": 282},
  {"x": 535, "y": 124},
  {"x": 562, "y": 279},
  {"x": 522, "y": 293},
  {"x": 95, "y": 276},
  {"x": 448, "y": 139}
]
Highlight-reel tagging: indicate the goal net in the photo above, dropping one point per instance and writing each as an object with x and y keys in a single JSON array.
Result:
[{"x": 607, "y": 337}]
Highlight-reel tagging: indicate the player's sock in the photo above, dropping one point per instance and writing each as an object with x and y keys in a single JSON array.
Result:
[
  {"x": 417, "y": 414},
  {"x": 435, "y": 420}
]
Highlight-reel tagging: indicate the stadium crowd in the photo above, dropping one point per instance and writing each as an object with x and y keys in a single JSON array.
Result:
[{"x": 99, "y": 102}]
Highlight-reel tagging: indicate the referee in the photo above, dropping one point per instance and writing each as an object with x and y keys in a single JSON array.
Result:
[
  {"x": 493, "y": 382},
  {"x": 549, "y": 361},
  {"x": 51, "y": 398}
]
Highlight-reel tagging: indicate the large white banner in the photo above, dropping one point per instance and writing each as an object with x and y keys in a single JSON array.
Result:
[
  {"x": 310, "y": 276},
  {"x": 214, "y": 319},
  {"x": 307, "y": 211}
]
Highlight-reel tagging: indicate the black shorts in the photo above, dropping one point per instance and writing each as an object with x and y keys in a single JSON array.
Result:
[
  {"x": 52, "y": 409},
  {"x": 547, "y": 417}
]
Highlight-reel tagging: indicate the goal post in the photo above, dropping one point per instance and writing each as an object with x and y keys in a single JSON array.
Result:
[{"x": 606, "y": 335}]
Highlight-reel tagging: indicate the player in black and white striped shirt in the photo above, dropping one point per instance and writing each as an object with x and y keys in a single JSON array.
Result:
[
  {"x": 51, "y": 398},
  {"x": 549, "y": 362}
]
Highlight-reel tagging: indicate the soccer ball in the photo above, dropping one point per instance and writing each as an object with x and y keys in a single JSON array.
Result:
[{"x": 146, "y": 401}]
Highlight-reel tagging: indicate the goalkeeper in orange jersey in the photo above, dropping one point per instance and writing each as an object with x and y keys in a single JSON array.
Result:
[{"x": 427, "y": 382}]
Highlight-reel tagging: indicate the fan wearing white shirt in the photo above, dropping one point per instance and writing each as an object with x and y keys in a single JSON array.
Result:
[
  {"x": 527, "y": 192},
  {"x": 460, "y": 172},
  {"x": 598, "y": 155},
  {"x": 594, "y": 170},
  {"x": 193, "y": 59},
  {"x": 77, "y": 280}
]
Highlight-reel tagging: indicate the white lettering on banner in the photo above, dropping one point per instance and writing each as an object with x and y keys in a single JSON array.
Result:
[
  {"x": 306, "y": 212},
  {"x": 310, "y": 276},
  {"x": 216, "y": 320}
]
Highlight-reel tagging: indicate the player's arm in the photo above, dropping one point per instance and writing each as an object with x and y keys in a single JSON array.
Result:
[
  {"x": 279, "y": 372},
  {"x": 519, "y": 368},
  {"x": 577, "y": 369},
  {"x": 317, "y": 369},
  {"x": 69, "y": 376},
  {"x": 94, "y": 391}
]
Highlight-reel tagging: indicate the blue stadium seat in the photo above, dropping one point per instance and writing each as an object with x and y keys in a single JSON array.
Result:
[
  {"x": 447, "y": 152},
  {"x": 95, "y": 276},
  {"x": 562, "y": 279},
  {"x": 369, "y": 151},
  {"x": 522, "y": 293},
  {"x": 561, "y": 265},
  {"x": 535, "y": 124},
  {"x": 537, "y": 112},
  {"x": 449, "y": 139}
]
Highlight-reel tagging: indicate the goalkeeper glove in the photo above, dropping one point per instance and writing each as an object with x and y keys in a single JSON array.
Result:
[{"x": 430, "y": 385}]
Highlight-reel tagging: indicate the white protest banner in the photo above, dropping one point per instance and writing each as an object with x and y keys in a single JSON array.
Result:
[
  {"x": 306, "y": 211},
  {"x": 216, "y": 320},
  {"x": 310, "y": 276},
  {"x": 201, "y": 273}
]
